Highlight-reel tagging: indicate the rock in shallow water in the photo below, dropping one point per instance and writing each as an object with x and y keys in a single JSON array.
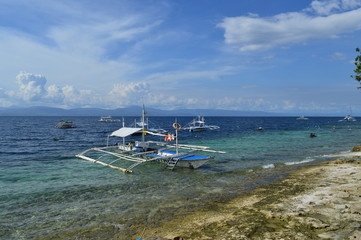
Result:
[{"x": 356, "y": 148}]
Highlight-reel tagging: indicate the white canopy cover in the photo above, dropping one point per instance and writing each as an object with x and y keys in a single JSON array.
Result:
[{"x": 125, "y": 132}]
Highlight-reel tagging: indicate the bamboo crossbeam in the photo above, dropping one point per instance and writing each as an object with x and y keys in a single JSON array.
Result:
[{"x": 102, "y": 163}]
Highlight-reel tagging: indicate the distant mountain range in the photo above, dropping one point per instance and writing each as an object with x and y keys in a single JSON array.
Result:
[{"x": 128, "y": 111}]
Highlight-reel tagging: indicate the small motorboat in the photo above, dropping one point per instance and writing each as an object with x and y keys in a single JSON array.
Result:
[{"x": 108, "y": 119}]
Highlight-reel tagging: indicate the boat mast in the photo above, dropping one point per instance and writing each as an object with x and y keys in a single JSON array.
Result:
[
  {"x": 143, "y": 119},
  {"x": 176, "y": 138},
  {"x": 123, "y": 126}
]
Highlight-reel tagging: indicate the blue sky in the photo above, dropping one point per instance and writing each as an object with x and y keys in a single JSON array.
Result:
[{"x": 254, "y": 55}]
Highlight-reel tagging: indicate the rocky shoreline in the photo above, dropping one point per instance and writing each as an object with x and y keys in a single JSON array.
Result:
[{"x": 321, "y": 201}]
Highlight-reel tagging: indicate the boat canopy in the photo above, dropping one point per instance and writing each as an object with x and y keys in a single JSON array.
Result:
[{"x": 125, "y": 132}]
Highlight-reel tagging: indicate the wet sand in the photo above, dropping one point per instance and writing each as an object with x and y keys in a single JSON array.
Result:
[{"x": 320, "y": 201}]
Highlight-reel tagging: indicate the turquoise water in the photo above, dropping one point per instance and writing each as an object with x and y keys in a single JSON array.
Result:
[{"x": 48, "y": 193}]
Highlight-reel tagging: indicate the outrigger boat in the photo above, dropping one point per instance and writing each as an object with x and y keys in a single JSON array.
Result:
[
  {"x": 198, "y": 124},
  {"x": 135, "y": 153}
]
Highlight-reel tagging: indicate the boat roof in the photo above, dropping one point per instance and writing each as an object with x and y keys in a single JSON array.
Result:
[{"x": 125, "y": 131}]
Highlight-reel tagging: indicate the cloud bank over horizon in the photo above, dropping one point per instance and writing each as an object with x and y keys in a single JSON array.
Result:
[{"x": 33, "y": 89}]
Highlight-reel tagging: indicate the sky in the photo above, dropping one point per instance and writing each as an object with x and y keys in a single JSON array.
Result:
[{"x": 277, "y": 56}]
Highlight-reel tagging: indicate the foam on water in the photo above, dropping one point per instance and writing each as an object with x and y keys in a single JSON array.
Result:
[
  {"x": 343, "y": 154},
  {"x": 268, "y": 166},
  {"x": 307, "y": 160}
]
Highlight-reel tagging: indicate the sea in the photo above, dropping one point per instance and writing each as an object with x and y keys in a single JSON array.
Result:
[{"x": 48, "y": 193}]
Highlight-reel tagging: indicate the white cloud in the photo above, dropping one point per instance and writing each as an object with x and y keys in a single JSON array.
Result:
[
  {"x": 332, "y": 6},
  {"x": 93, "y": 39},
  {"x": 55, "y": 94},
  {"x": 288, "y": 105},
  {"x": 325, "y": 8},
  {"x": 338, "y": 56},
  {"x": 132, "y": 93},
  {"x": 76, "y": 98},
  {"x": 31, "y": 86},
  {"x": 32, "y": 89},
  {"x": 254, "y": 33}
]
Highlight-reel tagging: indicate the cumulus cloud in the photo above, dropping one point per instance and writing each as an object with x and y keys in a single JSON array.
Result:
[
  {"x": 128, "y": 93},
  {"x": 251, "y": 33},
  {"x": 54, "y": 93},
  {"x": 32, "y": 89},
  {"x": 31, "y": 86},
  {"x": 79, "y": 98}
]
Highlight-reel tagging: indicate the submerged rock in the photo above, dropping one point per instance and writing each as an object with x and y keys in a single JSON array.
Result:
[{"x": 356, "y": 148}]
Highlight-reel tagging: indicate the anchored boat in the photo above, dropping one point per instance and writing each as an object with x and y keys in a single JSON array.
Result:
[
  {"x": 131, "y": 154},
  {"x": 108, "y": 119},
  {"x": 198, "y": 124},
  {"x": 148, "y": 126},
  {"x": 65, "y": 124},
  {"x": 348, "y": 118}
]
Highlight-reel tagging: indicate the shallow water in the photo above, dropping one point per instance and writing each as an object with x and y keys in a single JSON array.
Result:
[{"x": 46, "y": 192}]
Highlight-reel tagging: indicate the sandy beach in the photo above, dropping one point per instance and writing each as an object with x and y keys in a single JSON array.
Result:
[{"x": 320, "y": 201}]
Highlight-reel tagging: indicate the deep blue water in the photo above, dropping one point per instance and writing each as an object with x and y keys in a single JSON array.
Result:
[{"x": 47, "y": 192}]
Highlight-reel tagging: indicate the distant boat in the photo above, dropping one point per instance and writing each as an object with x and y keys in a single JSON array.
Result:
[
  {"x": 348, "y": 118},
  {"x": 148, "y": 126},
  {"x": 302, "y": 118},
  {"x": 65, "y": 124},
  {"x": 198, "y": 124},
  {"x": 107, "y": 119}
]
